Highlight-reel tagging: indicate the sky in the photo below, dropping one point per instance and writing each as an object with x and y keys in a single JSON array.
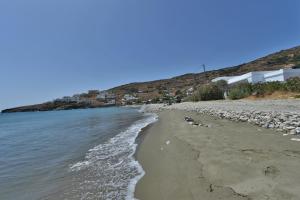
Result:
[{"x": 53, "y": 48}]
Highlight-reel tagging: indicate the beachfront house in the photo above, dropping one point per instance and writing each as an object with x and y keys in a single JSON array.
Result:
[
  {"x": 76, "y": 98},
  {"x": 129, "y": 99},
  {"x": 65, "y": 99},
  {"x": 261, "y": 76},
  {"x": 102, "y": 96},
  {"x": 107, "y": 97}
]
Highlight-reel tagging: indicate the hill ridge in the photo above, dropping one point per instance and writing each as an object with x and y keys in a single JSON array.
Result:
[{"x": 153, "y": 89}]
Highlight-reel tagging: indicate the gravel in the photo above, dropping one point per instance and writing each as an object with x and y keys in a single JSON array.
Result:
[{"x": 281, "y": 115}]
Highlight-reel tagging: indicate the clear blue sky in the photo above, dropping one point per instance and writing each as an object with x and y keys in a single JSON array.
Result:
[{"x": 52, "y": 48}]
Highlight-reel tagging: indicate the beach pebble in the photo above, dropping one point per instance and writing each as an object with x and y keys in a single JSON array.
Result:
[
  {"x": 295, "y": 139},
  {"x": 285, "y": 118},
  {"x": 188, "y": 119},
  {"x": 290, "y": 127},
  {"x": 168, "y": 142},
  {"x": 293, "y": 132}
]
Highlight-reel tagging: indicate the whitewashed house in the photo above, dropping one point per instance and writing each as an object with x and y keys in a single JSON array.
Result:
[
  {"x": 128, "y": 97},
  {"x": 102, "y": 95},
  {"x": 251, "y": 77},
  {"x": 222, "y": 78},
  {"x": 282, "y": 75},
  {"x": 261, "y": 76},
  {"x": 107, "y": 97}
]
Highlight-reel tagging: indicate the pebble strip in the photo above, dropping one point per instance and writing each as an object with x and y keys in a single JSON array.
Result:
[{"x": 281, "y": 115}]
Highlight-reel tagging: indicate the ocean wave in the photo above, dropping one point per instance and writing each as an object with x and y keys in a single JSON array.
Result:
[{"x": 109, "y": 170}]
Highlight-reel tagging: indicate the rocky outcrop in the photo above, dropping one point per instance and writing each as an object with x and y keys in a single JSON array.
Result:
[{"x": 53, "y": 106}]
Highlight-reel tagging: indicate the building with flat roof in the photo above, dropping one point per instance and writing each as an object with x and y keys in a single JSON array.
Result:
[{"x": 261, "y": 76}]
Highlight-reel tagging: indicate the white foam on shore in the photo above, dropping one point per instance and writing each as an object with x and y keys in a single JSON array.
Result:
[{"x": 110, "y": 168}]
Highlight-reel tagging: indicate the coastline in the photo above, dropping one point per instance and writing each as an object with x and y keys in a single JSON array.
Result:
[
  {"x": 280, "y": 115},
  {"x": 225, "y": 160}
]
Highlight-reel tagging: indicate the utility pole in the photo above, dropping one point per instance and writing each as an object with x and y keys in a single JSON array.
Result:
[{"x": 204, "y": 70}]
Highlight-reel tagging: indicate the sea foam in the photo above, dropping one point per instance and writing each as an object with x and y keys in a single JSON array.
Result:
[{"x": 109, "y": 170}]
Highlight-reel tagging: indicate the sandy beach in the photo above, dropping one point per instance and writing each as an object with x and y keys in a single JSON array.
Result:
[{"x": 220, "y": 160}]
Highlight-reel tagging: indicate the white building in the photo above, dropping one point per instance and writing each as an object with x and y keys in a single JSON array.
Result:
[
  {"x": 104, "y": 95},
  {"x": 128, "y": 97},
  {"x": 261, "y": 76},
  {"x": 251, "y": 77},
  {"x": 282, "y": 75},
  {"x": 222, "y": 78}
]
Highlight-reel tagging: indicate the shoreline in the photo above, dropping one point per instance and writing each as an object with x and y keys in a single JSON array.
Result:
[
  {"x": 179, "y": 163},
  {"x": 280, "y": 115}
]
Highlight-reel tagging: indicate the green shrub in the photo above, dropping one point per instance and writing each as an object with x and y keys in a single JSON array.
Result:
[
  {"x": 222, "y": 85},
  {"x": 293, "y": 84},
  {"x": 267, "y": 88},
  {"x": 216, "y": 90},
  {"x": 243, "y": 90},
  {"x": 240, "y": 91},
  {"x": 208, "y": 92},
  {"x": 194, "y": 97}
]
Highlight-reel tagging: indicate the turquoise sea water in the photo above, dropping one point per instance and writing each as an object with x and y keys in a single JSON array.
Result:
[{"x": 76, "y": 154}]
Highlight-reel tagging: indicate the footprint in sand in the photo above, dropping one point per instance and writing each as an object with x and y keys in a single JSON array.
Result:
[{"x": 271, "y": 171}]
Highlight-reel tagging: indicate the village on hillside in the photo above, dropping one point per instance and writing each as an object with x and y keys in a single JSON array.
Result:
[{"x": 173, "y": 95}]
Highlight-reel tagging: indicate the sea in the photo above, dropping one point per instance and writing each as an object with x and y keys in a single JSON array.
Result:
[{"x": 76, "y": 154}]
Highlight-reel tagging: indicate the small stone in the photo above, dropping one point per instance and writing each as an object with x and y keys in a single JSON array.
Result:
[
  {"x": 293, "y": 132},
  {"x": 243, "y": 119},
  {"x": 295, "y": 139},
  {"x": 290, "y": 127},
  {"x": 265, "y": 125},
  {"x": 297, "y": 130}
]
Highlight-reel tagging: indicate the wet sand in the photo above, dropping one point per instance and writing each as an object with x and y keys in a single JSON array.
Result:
[{"x": 226, "y": 160}]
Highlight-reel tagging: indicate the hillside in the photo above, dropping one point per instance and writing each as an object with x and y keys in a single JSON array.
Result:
[
  {"x": 154, "y": 89},
  {"x": 284, "y": 58}
]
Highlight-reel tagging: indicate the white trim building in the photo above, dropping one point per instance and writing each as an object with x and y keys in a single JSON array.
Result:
[{"x": 261, "y": 76}]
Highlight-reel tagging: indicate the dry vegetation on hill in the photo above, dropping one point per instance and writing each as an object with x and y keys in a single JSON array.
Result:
[
  {"x": 155, "y": 89},
  {"x": 152, "y": 89}
]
